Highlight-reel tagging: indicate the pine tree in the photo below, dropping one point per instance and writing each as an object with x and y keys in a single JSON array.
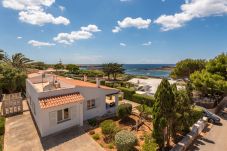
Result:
[{"x": 163, "y": 112}]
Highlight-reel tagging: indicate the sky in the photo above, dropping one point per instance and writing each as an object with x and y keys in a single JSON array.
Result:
[{"x": 123, "y": 31}]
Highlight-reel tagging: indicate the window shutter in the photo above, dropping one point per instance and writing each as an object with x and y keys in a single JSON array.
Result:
[{"x": 53, "y": 118}]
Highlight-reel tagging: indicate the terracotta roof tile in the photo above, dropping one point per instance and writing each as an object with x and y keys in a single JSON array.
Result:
[{"x": 60, "y": 100}]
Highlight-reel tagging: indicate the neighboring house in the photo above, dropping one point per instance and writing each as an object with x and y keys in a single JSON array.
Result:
[{"x": 58, "y": 103}]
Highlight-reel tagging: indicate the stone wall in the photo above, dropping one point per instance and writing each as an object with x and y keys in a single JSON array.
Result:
[{"x": 191, "y": 136}]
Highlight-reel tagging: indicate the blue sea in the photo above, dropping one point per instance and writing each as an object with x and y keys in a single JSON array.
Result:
[{"x": 146, "y": 69}]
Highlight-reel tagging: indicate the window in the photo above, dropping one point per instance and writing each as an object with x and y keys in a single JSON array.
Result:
[
  {"x": 91, "y": 104},
  {"x": 63, "y": 115}
]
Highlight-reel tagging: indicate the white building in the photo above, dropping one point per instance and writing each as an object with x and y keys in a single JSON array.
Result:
[
  {"x": 149, "y": 86},
  {"x": 58, "y": 103}
]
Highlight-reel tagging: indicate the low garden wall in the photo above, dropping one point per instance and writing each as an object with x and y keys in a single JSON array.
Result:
[{"x": 191, "y": 136}]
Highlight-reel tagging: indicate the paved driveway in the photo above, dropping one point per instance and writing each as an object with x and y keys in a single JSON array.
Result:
[
  {"x": 21, "y": 135},
  {"x": 214, "y": 140}
]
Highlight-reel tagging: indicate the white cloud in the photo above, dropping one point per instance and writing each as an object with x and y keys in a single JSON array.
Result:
[
  {"x": 128, "y": 22},
  {"x": 147, "y": 43},
  {"x": 82, "y": 34},
  {"x": 190, "y": 10},
  {"x": 19, "y": 37},
  {"x": 62, "y": 8},
  {"x": 40, "y": 18},
  {"x": 33, "y": 11},
  {"x": 39, "y": 43},
  {"x": 26, "y": 4},
  {"x": 90, "y": 28},
  {"x": 116, "y": 29},
  {"x": 137, "y": 22},
  {"x": 123, "y": 44}
]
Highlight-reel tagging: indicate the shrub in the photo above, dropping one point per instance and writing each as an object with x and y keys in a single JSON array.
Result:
[
  {"x": 2, "y": 125},
  {"x": 111, "y": 146},
  {"x": 143, "y": 99},
  {"x": 125, "y": 140},
  {"x": 127, "y": 92},
  {"x": 93, "y": 122},
  {"x": 124, "y": 110},
  {"x": 108, "y": 84},
  {"x": 147, "y": 110},
  {"x": 196, "y": 114},
  {"x": 149, "y": 144},
  {"x": 92, "y": 132},
  {"x": 108, "y": 127},
  {"x": 102, "y": 82},
  {"x": 120, "y": 98},
  {"x": 96, "y": 136}
]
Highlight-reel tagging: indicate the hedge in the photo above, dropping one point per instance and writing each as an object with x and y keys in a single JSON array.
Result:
[
  {"x": 2, "y": 125},
  {"x": 143, "y": 99},
  {"x": 128, "y": 93}
]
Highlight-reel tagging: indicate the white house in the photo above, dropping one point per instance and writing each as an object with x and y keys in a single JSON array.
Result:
[{"x": 58, "y": 103}]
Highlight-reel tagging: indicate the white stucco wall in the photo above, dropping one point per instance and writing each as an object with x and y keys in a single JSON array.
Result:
[
  {"x": 79, "y": 111},
  {"x": 33, "y": 95},
  {"x": 100, "y": 101},
  {"x": 49, "y": 127}
]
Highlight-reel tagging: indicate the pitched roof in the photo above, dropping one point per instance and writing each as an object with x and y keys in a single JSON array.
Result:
[
  {"x": 60, "y": 100},
  {"x": 81, "y": 83}
]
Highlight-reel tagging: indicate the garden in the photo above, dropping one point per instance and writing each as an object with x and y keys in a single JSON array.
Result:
[{"x": 126, "y": 131}]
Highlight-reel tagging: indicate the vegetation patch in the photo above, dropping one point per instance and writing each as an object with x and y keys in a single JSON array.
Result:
[
  {"x": 143, "y": 99},
  {"x": 2, "y": 131},
  {"x": 128, "y": 92},
  {"x": 124, "y": 110},
  {"x": 125, "y": 140},
  {"x": 96, "y": 136}
]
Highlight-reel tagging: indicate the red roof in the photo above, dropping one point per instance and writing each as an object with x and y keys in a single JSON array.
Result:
[{"x": 60, "y": 100}]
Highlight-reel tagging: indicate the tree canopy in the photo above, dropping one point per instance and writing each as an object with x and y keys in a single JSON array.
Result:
[
  {"x": 113, "y": 69},
  {"x": 59, "y": 66},
  {"x": 12, "y": 79},
  {"x": 38, "y": 65},
  {"x": 208, "y": 83},
  {"x": 186, "y": 67},
  {"x": 18, "y": 60},
  {"x": 212, "y": 81},
  {"x": 218, "y": 65},
  {"x": 72, "y": 68}
]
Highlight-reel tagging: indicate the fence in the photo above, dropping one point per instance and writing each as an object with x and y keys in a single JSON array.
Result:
[{"x": 11, "y": 104}]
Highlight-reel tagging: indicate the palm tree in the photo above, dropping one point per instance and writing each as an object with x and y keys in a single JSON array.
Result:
[{"x": 18, "y": 60}]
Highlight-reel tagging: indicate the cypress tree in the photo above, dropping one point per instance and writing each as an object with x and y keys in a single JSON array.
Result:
[{"x": 163, "y": 112}]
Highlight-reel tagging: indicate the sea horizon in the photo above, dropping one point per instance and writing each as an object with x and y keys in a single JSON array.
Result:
[{"x": 150, "y": 70}]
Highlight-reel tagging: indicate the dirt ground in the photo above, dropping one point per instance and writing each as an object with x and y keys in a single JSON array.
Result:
[{"x": 126, "y": 124}]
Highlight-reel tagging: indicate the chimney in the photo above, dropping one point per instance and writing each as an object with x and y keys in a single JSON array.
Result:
[
  {"x": 85, "y": 77},
  {"x": 97, "y": 82}
]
